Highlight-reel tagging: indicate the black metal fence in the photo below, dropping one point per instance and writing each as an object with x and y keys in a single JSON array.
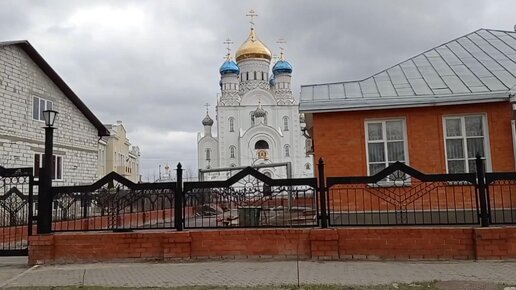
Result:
[
  {"x": 501, "y": 202},
  {"x": 113, "y": 203},
  {"x": 401, "y": 195},
  {"x": 398, "y": 195},
  {"x": 250, "y": 199},
  {"x": 16, "y": 193}
]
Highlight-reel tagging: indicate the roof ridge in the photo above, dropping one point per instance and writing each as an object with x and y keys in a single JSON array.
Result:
[{"x": 34, "y": 55}]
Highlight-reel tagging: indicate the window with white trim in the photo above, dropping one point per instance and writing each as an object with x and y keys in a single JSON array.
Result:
[
  {"x": 386, "y": 144},
  {"x": 208, "y": 154},
  {"x": 232, "y": 150},
  {"x": 57, "y": 165},
  {"x": 465, "y": 137},
  {"x": 38, "y": 106}
]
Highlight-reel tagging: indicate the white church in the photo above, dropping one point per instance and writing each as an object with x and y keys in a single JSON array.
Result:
[{"x": 258, "y": 121}]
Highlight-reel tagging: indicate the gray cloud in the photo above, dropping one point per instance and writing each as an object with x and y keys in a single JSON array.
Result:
[{"x": 154, "y": 64}]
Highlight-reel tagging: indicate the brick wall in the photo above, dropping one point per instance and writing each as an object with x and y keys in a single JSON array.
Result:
[
  {"x": 21, "y": 136},
  {"x": 339, "y": 137},
  {"x": 320, "y": 244}
]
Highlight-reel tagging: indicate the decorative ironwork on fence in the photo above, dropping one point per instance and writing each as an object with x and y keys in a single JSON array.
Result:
[
  {"x": 501, "y": 192},
  {"x": 398, "y": 195},
  {"x": 401, "y": 195},
  {"x": 113, "y": 203},
  {"x": 251, "y": 199},
  {"x": 16, "y": 185}
]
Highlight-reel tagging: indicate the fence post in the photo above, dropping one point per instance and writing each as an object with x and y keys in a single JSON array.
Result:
[
  {"x": 482, "y": 194},
  {"x": 178, "y": 200},
  {"x": 321, "y": 188}
]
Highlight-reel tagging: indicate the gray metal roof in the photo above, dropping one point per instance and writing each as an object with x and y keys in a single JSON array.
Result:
[{"x": 477, "y": 67}]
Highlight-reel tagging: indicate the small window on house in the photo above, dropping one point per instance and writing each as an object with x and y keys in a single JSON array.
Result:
[
  {"x": 287, "y": 150},
  {"x": 231, "y": 124},
  {"x": 208, "y": 154},
  {"x": 232, "y": 150},
  {"x": 38, "y": 106},
  {"x": 57, "y": 165},
  {"x": 385, "y": 144},
  {"x": 285, "y": 123},
  {"x": 465, "y": 137}
]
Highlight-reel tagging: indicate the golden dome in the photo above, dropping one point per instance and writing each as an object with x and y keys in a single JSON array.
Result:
[{"x": 253, "y": 48}]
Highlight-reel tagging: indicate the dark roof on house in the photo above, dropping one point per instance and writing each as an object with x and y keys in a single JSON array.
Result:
[
  {"x": 477, "y": 67},
  {"x": 49, "y": 71}
]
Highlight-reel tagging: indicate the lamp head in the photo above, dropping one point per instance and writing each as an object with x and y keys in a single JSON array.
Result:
[{"x": 50, "y": 117}]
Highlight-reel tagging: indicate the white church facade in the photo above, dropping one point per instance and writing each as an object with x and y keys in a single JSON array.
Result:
[{"x": 258, "y": 120}]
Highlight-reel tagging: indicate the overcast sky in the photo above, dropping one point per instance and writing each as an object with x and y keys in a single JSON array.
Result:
[{"x": 154, "y": 64}]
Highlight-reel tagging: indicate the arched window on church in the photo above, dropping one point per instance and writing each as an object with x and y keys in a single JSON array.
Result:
[
  {"x": 263, "y": 76},
  {"x": 247, "y": 76},
  {"x": 307, "y": 166},
  {"x": 255, "y": 76},
  {"x": 231, "y": 124},
  {"x": 232, "y": 150},
  {"x": 287, "y": 150},
  {"x": 285, "y": 123},
  {"x": 261, "y": 145},
  {"x": 208, "y": 154}
]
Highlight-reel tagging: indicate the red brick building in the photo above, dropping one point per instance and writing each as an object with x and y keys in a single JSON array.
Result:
[{"x": 434, "y": 111}]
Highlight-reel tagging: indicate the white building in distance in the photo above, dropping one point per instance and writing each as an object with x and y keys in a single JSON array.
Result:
[
  {"x": 258, "y": 122},
  {"x": 117, "y": 154}
]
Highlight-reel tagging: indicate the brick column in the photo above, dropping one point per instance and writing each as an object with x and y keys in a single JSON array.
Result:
[{"x": 41, "y": 249}]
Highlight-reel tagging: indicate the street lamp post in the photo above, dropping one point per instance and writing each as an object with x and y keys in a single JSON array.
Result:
[{"x": 45, "y": 179}]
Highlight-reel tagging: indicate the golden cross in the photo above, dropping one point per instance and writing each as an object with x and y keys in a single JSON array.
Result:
[
  {"x": 207, "y": 105},
  {"x": 252, "y": 15}
]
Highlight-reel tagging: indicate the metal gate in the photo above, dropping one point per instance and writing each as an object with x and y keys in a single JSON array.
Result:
[{"x": 16, "y": 186}]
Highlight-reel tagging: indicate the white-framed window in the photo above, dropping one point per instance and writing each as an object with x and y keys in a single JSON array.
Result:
[
  {"x": 285, "y": 123},
  {"x": 386, "y": 143},
  {"x": 208, "y": 154},
  {"x": 231, "y": 124},
  {"x": 232, "y": 150},
  {"x": 38, "y": 106},
  {"x": 464, "y": 138},
  {"x": 57, "y": 165},
  {"x": 287, "y": 150}
]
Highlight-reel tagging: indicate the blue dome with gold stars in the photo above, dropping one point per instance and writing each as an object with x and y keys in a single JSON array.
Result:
[
  {"x": 229, "y": 67},
  {"x": 282, "y": 66}
]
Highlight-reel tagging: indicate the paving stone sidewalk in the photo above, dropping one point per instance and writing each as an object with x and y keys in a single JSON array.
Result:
[{"x": 247, "y": 273}]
